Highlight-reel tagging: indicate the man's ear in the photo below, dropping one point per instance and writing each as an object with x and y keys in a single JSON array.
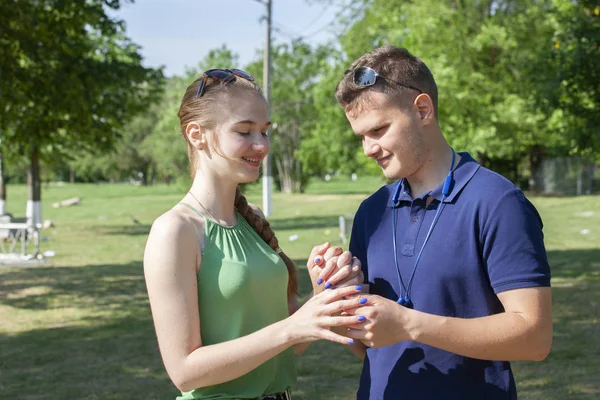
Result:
[
  {"x": 424, "y": 106},
  {"x": 195, "y": 135}
]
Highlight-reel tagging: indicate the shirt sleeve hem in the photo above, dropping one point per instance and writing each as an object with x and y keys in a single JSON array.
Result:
[{"x": 521, "y": 284}]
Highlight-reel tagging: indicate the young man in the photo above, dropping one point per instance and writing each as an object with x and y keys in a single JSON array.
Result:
[{"x": 453, "y": 252}]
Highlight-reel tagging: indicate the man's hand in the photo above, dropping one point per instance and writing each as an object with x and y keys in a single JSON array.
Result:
[{"x": 383, "y": 322}]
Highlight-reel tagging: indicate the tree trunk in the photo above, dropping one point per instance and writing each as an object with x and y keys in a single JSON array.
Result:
[
  {"x": 34, "y": 210},
  {"x": 2, "y": 186},
  {"x": 284, "y": 174},
  {"x": 72, "y": 175}
]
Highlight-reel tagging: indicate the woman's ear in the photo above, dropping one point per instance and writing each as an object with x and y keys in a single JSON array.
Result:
[{"x": 195, "y": 135}]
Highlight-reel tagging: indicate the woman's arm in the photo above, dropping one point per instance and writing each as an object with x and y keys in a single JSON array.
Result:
[{"x": 170, "y": 264}]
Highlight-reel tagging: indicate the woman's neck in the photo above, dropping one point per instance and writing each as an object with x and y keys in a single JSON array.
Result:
[{"x": 216, "y": 199}]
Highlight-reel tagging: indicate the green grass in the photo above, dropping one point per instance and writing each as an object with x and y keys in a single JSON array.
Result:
[{"x": 81, "y": 328}]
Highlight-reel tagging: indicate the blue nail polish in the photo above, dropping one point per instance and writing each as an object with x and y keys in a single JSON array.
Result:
[
  {"x": 328, "y": 285},
  {"x": 361, "y": 318},
  {"x": 350, "y": 341},
  {"x": 363, "y": 301},
  {"x": 319, "y": 281},
  {"x": 358, "y": 287},
  {"x": 317, "y": 260}
]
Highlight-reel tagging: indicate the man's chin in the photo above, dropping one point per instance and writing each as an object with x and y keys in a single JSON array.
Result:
[{"x": 391, "y": 175}]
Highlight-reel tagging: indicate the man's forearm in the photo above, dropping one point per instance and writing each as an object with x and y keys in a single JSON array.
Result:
[{"x": 506, "y": 336}]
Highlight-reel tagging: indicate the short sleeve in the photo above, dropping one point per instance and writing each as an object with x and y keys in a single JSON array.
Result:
[{"x": 513, "y": 244}]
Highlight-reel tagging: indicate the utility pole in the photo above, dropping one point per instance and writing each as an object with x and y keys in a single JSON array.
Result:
[{"x": 267, "y": 170}]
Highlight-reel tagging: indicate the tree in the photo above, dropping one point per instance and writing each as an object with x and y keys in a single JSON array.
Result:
[
  {"x": 571, "y": 68},
  {"x": 296, "y": 69},
  {"x": 330, "y": 145},
  {"x": 71, "y": 80}
]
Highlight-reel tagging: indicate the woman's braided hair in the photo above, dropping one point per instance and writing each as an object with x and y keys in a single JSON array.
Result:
[{"x": 262, "y": 227}]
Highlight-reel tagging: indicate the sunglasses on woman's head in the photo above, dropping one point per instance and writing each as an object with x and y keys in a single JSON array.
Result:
[
  {"x": 365, "y": 76},
  {"x": 225, "y": 75}
]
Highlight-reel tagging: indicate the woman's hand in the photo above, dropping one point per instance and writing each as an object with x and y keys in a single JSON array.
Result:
[
  {"x": 315, "y": 318},
  {"x": 332, "y": 267}
]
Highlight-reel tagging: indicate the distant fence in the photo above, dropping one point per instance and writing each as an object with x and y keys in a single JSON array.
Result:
[{"x": 568, "y": 176}]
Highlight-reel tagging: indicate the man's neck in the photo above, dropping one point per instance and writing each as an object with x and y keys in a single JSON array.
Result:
[{"x": 432, "y": 173}]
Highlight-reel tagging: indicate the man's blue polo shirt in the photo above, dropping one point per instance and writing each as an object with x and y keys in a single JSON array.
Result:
[{"x": 488, "y": 239}]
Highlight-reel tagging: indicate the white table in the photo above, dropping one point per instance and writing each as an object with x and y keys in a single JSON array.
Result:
[{"x": 19, "y": 232}]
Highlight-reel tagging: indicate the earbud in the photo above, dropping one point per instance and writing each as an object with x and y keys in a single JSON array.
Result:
[
  {"x": 447, "y": 184},
  {"x": 396, "y": 194}
]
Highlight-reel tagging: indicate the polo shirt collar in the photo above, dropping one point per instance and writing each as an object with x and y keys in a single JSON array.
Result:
[{"x": 463, "y": 173}]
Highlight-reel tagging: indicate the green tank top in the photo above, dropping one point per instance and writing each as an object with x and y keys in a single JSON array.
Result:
[{"x": 242, "y": 287}]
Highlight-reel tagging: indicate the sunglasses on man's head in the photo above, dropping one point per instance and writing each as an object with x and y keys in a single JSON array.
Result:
[
  {"x": 225, "y": 75},
  {"x": 366, "y": 76}
]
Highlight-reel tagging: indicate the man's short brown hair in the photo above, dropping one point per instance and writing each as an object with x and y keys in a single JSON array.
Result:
[{"x": 398, "y": 69}]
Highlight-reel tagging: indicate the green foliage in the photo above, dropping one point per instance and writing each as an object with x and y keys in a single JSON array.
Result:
[
  {"x": 71, "y": 79},
  {"x": 330, "y": 145},
  {"x": 507, "y": 88},
  {"x": 296, "y": 73},
  {"x": 518, "y": 81},
  {"x": 570, "y": 83}
]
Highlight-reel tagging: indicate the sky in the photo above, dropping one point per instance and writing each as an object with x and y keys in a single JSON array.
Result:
[{"x": 178, "y": 33}]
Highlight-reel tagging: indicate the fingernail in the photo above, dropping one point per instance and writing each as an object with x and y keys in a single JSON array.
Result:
[
  {"x": 361, "y": 318},
  {"x": 358, "y": 287},
  {"x": 319, "y": 281},
  {"x": 363, "y": 300},
  {"x": 350, "y": 341},
  {"x": 328, "y": 285},
  {"x": 318, "y": 260}
]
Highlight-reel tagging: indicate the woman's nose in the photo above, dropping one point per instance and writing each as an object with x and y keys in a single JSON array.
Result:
[{"x": 261, "y": 142}]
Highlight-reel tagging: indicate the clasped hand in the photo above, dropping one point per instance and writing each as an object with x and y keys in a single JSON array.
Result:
[
  {"x": 378, "y": 321},
  {"x": 332, "y": 267}
]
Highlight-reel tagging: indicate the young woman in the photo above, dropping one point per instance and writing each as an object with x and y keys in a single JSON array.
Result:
[{"x": 222, "y": 293}]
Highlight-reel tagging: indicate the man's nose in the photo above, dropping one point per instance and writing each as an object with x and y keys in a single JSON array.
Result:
[{"x": 370, "y": 147}]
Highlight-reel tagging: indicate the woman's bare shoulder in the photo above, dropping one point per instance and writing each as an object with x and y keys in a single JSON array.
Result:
[{"x": 174, "y": 234}]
